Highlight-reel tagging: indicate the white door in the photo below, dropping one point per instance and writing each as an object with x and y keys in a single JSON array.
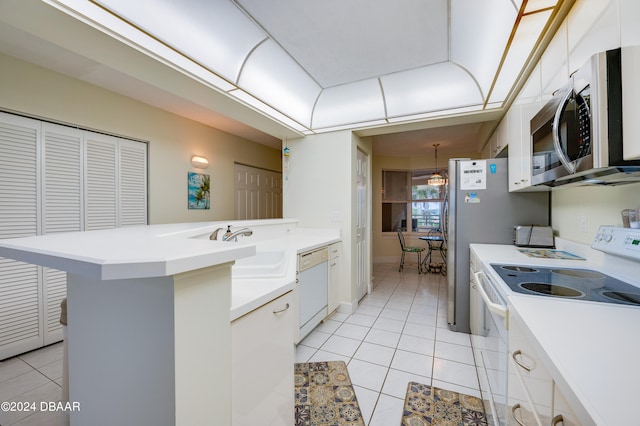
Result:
[
  {"x": 362, "y": 230},
  {"x": 258, "y": 193}
]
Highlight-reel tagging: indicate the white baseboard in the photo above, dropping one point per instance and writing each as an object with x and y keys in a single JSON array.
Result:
[{"x": 348, "y": 308}]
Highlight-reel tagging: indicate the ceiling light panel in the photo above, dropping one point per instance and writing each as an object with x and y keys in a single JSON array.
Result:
[
  {"x": 479, "y": 32},
  {"x": 339, "y": 41},
  {"x": 523, "y": 43},
  {"x": 436, "y": 87},
  {"x": 533, "y": 5},
  {"x": 272, "y": 76},
  {"x": 349, "y": 103},
  {"x": 213, "y": 33}
]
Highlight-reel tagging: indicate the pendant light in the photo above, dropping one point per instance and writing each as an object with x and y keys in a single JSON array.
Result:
[{"x": 436, "y": 178}]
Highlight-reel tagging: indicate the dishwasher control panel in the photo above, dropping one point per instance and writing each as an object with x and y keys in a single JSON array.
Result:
[{"x": 312, "y": 258}]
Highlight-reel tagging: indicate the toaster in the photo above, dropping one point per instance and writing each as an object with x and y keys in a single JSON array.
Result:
[{"x": 533, "y": 236}]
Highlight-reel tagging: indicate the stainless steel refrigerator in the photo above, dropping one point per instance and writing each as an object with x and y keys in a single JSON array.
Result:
[{"x": 480, "y": 209}]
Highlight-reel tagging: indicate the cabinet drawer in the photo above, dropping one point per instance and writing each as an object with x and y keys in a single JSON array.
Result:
[{"x": 334, "y": 250}]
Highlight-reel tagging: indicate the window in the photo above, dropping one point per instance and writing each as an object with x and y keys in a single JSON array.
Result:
[{"x": 408, "y": 199}]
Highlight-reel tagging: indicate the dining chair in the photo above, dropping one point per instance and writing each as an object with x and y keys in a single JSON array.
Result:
[{"x": 409, "y": 249}]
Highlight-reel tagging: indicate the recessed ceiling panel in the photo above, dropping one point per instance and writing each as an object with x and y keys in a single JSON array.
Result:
[
  {"x": 338, "y": 41},
  {"x": 350, "y": 103},
  {"x": 273, "y": 77},
  {"x": 432, "y": 88},
  {"x": 214, "y": 33},
  {"x": 479, "y": 33},
  {"x": 529, "y": 30}
]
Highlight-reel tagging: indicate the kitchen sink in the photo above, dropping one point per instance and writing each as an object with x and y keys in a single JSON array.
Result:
[{"x": 265, "y": 264}]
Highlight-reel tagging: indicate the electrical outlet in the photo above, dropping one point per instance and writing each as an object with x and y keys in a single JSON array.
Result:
[
  {"x": 335, "y": 216},
  {"x": 583, "y": 224}
]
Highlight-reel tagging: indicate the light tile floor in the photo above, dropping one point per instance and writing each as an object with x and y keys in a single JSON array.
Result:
[
  {"x": 398, "y": 334},
  {"x": 33, "y": 377}
]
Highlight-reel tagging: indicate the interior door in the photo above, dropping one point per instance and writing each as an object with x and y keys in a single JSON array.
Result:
[{"x": 362, "y": 228}]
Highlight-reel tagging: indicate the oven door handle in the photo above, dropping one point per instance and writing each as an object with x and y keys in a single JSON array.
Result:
[{"x": 496, "y": 308}]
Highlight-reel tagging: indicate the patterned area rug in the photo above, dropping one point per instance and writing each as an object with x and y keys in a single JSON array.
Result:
[
  {"x": 425, "y": 405},
  {"x": 324, "y": 395}
]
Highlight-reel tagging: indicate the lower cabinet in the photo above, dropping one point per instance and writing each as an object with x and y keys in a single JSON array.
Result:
[
  {"x": 563, "y": 414},
  {"x": 334, "y": 277},
  {"x": 262, "y": 354},
  {"x": 533, "y": 396},
  {"x": 530, "y": 386}
]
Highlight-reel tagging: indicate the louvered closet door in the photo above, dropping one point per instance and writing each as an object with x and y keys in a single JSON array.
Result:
[
  {"x": 20, "y": 294},
  {"x": 62, "y": 211},
  {"x": 101, "y": 182},
  {"x": 133, "y": 183}
]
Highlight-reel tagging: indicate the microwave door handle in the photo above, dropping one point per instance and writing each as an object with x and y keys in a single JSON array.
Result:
[
  {"x": 566, "y": 162},
  {"x": 496, "y": 308}
]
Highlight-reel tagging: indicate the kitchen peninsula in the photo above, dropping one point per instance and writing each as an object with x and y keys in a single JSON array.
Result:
[{"x": 149, "y": 314}]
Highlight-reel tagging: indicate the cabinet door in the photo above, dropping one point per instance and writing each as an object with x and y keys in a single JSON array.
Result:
[
  {"x": 534, "y": 394},
  {"x": 21, "y": 319},
  {"x": 520, "y": 150},
  {"x": 334, "y": 277},
  {"x": 563, "y": 414},
  {"x": 262, "y": 353}
]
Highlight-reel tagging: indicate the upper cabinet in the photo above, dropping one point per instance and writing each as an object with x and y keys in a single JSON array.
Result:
[
  {"x": 630, "y": 108},
  {"x": 519, "y": 117}
]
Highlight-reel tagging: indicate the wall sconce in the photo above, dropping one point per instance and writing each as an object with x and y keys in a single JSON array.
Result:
[{"x": 199, "y": 162}]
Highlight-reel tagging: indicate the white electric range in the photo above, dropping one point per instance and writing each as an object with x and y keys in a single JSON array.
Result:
[{"x": 580, "y": 303}]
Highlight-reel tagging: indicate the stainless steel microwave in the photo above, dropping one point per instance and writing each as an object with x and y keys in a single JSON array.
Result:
[{"x": 576, "y": 137}]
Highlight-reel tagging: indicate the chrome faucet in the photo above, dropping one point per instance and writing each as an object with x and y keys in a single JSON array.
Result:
[
  {"x": 234, "y": 236},
  {"x": 214, "y": 234}
]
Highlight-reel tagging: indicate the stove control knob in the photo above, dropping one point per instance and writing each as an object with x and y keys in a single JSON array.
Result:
[{"x": 607, "y": 238}]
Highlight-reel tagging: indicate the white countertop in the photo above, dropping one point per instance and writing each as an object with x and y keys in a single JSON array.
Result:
[
  {"x": 589, "y": 348},
  {"x": 169, "y": 249},
  {"x": 123, "y": 253}
]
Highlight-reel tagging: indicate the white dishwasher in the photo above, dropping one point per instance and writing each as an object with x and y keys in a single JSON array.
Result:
[{"x": 313, "y": 289}]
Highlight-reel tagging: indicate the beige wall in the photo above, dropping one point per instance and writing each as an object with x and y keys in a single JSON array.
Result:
[
  {"x": 597, "y": 205},
  {"x": 172, "y": 139}
]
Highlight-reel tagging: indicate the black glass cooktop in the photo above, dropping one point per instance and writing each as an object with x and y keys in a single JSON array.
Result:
[{"x": 581, "y": 284}]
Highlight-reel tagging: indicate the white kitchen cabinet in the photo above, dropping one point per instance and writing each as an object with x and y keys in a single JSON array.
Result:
[
  {"x": 502, "y": 139},
  {"x": 563, "y": 414},
  {"x": 520, "y": 148},
  {"x": 630, "y": 109},
  {"x": 262, "y": 352},
  {"x": 334, "y": 277},
  {"x": 530, "y": 386}
]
